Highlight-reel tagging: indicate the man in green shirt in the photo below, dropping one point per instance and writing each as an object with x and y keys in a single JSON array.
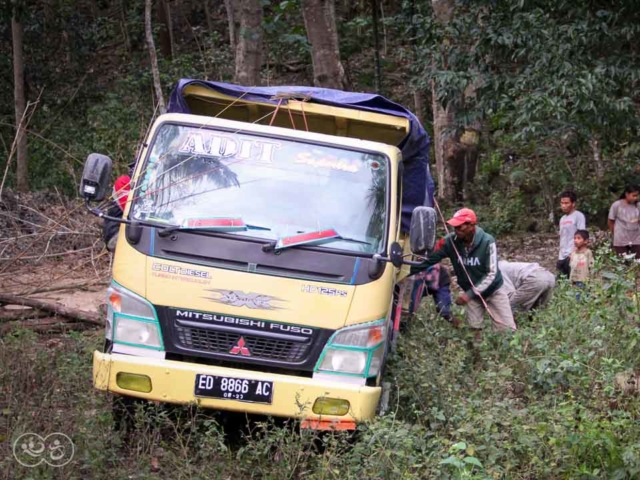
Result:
[{"x": 474, "y": 256}]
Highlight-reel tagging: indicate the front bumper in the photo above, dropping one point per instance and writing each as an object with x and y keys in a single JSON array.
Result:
[{"x": 174, "y": 382}]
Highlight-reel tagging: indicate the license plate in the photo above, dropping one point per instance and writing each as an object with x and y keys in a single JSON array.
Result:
[{"x": 227, "y": 388}]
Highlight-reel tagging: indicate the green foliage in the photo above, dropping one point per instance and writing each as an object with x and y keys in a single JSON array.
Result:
[
  {"x": 541, "y": 403},
  {"x": 285, "y": 35}
]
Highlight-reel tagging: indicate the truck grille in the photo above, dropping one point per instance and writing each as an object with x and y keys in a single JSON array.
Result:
[{"x": 214, "y": 341}]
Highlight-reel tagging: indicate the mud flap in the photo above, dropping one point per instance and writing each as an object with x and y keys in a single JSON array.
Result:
[{"x": 383, "y": 405}]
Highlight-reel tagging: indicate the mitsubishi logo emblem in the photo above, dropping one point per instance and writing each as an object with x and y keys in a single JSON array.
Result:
[{"x": 240, "y": 349}]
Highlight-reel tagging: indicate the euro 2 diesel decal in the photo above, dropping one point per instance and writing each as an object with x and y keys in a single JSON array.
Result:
[
  {"x": 237, "y": 298},
  {"x": 331, "y": 292}
]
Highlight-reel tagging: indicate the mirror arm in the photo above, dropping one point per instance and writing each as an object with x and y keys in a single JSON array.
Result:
[
  {"x": 100, "y": 213},
  {"x": 381, "y": 258}
]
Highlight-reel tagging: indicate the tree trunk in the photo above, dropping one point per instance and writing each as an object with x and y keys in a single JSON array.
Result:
[
  {"x": 597, "y": 157},
  {"x": 249, "y": 43},
  {"x": 20, "y": 105},
  {"x": 207, "y": 13},
  {"x": 376, "y": 47},
  {"x": 154, "y": 57},
  {"x": 166, "y": 32},
  {"x": 234, "y": 15},
  {"x": 441, "y": 125},
  {"x": 320, "y": 22},
  {"x": 456, "y": 151},
  {"x": 123, "y": 25}
]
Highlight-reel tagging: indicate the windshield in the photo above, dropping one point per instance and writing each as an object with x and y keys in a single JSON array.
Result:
[{"x": 286, "y": 187}]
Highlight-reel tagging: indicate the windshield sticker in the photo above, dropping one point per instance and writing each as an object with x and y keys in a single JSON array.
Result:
[
  {"x": 315, "y": 159},
  {"x": 237, "y": 298},
  {"x": 331, "y": 292},
  {"x": 202, "y": 143},
  {"x": 181, "y": 274}
]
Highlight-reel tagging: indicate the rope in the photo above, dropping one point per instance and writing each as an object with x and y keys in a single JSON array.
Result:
[
  {"x": 275, "y": 112},
  {"x": 304, "y": 117},
  {"x": 293, "y": 124},
  {"x": 473, "y": 287}
]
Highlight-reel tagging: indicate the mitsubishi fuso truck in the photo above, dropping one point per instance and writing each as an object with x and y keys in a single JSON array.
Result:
[{"x": 261, "y": 248}]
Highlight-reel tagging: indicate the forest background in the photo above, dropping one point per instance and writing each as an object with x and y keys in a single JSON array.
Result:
[{"x": 523, "y": 99}]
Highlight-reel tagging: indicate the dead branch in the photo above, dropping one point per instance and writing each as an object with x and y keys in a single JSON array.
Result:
[
  {"x": 72, "y": 286},
  {"x": 40, "y": 257},
  {"x": 81, "y": 315}
]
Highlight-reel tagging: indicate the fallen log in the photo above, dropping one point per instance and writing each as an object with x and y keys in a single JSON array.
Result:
[
  {"x": 12, "y": 315},
  {"x": 44, "y": 325},
  {"x": 57, "y": 308}
]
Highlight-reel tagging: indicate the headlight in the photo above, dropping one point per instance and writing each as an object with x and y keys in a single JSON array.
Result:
[
  {"x": 131, "y": 319},
  {"x": 345, "y": 361},
  {"x": 355, "y": 350},
  {"x": 136, "y": 332}
]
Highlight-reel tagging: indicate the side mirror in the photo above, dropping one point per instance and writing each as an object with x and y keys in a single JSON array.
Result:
[
  {"x": 96, "y": 177},
  {"x": 395, "y": 254},
  {"x": 422, "y": 235}
]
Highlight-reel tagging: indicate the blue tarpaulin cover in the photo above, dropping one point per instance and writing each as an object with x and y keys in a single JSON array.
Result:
[{"x": 418, "y": 185}]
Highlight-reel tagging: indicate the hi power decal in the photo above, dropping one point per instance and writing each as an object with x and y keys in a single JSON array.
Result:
[
  {"x": 237, "y": 298},
  {"x": 331, "y": 292},
  {"x": 241, "y": 322}
]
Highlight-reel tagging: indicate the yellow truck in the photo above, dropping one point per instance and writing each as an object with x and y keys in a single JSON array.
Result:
[{"x": 259, "y": 253}]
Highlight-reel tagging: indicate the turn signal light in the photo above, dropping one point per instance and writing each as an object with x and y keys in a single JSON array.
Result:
[
  {"x": 376, "y": 335},
  {"x": 115, "y": 300},
  {"x": 331, "y": 406},
  {"x": 134, "y": 382}
]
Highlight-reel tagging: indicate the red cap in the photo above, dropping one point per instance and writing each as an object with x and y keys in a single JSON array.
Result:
[
  {"x": 121, "y": 189},
  {"x": 464, "y": 215}
]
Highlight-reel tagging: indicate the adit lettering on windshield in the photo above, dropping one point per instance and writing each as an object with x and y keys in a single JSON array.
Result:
[{"x": 287, "y": 187}]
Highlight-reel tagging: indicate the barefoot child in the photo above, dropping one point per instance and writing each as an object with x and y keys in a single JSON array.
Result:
[{"x": 581, "y": 259}]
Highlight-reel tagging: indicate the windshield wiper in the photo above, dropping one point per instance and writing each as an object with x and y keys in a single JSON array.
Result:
[
  {"x": 317, "y": 237},
  {"x": 217, "y": 224}
]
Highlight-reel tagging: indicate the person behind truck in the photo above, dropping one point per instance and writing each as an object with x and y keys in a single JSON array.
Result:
[
  {"x": 474, "y": 256},
  {"x": 110, "y": 228},
  {"x": 529, "y": 286},
  {"x": 436, "y": 282}
]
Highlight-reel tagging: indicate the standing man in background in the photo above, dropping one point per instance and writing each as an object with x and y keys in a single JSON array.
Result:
[{"x": 570, "y": 223}]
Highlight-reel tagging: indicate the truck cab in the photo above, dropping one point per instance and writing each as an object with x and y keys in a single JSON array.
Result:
[{"x": 252, "y": 269}]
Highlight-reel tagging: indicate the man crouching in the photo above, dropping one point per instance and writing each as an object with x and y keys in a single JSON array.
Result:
[{"x": 528, "y": 285}]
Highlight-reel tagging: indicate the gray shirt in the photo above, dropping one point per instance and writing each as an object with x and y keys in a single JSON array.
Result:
[
  {"x": 626, "y": 230},
  {"x": 514, "y": 273},
  {"x": 569, "y": 224}
]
